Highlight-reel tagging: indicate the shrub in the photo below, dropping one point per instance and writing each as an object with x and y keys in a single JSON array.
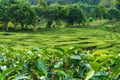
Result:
[
  {"x": 113, "y": 14},
  {"x": 58, "y": 64}
]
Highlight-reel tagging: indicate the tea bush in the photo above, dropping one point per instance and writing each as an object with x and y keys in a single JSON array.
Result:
[{"x": 57, "y": 63}]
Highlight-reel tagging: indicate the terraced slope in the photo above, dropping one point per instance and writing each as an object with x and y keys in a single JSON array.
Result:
[{"x": 64, "y": 37}]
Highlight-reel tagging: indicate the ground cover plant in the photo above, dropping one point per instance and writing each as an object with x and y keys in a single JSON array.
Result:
[
  {"x": 56, "y": 63},
  {"x": 83, "y": 37}
]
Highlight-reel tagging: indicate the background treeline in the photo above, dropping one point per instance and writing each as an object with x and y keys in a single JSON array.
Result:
[{"x": 24, "y": 14}]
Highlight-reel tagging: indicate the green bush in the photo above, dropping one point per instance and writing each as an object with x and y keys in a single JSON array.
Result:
[
  {"x": 58, "y": 64},
  {"x": 113, "y": 14},
  {"x": 90, "y": 19}
]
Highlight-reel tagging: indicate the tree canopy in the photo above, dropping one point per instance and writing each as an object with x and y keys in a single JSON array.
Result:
[{"x": 72, "y": 12}]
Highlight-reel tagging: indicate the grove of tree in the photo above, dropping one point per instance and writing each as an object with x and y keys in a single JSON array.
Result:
[{"x": 24, "y": 13}]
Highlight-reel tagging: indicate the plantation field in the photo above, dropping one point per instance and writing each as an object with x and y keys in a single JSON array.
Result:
[
  {"x": 86, "y": 53},
  {"x": 60, "y": 40},
  {"x": 51, "y": 62},
  {"x": 86, "y": 38}
]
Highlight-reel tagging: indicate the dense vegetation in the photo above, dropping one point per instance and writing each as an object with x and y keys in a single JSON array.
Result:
[
  {"x": 59, "y": 64},
  {"x": 59, "y": 40},
  {"x": 86, "y": 38},
  {"x": 22, "y": 14}
]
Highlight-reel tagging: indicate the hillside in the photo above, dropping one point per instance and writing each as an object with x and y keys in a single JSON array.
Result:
[{"x": 59, "y": 39}]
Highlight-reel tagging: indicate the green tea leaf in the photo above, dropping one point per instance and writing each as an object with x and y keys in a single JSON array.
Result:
[
  {"x": 69, "y": 73},
  {"x": 21, "y": 77},
  {"x": 103, "y": 57},
  {"x": 77, "y": 57},
  {"x": 41, "y": 66},
  {"x": 61, "y": 72},
  {"x": 89, "y": 75},
  {"x": 60, "y": 49},
  {"x": 6, "y": 72},
  {"x": 100, "y": 52},
  {"x": 96, "y": 66}
]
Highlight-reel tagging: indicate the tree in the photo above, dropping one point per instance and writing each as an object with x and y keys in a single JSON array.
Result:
[
  {"x": 75, "y": 15},
  {"x": 42, "y": 3},
  {"x": 72, "y": 14},
  {"x": 4, "y": 6},
  {"x": 113, "y": 14},
  {"x": 100, "y": 11},
  {"x": 33, "y": 2},
  {"x": 89, "y": 2},
  {"x": 22, "y": 13},
  {"x": 118, "y": 4},
  {"x": 55, "y": 13},
  {"x": 63, "y": 12},
  {"x": 50, "y": 13},
  {"x": 117, "y": 1},
  {"x": 108, "y": 3}
]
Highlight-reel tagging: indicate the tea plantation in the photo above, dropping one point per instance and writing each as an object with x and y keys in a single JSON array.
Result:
[{"x": 60, "y": 54}]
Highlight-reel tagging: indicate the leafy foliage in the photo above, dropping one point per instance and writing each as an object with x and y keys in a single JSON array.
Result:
[
  {"x": 113, "y": 14},
  {"x": 59, "y": 64},
  {"x": 25, "y": 13}
]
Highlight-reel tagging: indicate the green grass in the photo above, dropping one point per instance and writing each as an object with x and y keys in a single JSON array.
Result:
[{"x": 85, "y": 38}]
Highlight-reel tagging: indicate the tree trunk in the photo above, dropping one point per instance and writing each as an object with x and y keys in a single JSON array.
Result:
[
  {"x": 34, "y": 28},
  {"x": 15, "y": 25},
  {"x": 6, "y": 26},
  {"x": 49, "y": 23},
  {"x": 22, "y": 25}
]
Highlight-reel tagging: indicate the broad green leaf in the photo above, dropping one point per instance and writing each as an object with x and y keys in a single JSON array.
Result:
[
  {"x": 72, "y": 49},
  {"x": 60, "y": 49},
  {"x": 57, "y": 51},
  {"x": 59, "y": 64},
  {"x": 103, "y": 57},
  {"x": 6, "y": 72},
  {"x": 76, "y": 57},
  {"x": 100, "y": 52},
  {"x": 21, "y": 77},
  {"x": 89, "y": 75},
  {"x": 40, "y": 65},
  {"x": 100, "y": 73},
  {"x": 116, "y": 69},
  {"x": 96, "y": 66},
  {"x": 61, "y": 72},
  {"x": 69, "y": 73}
]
